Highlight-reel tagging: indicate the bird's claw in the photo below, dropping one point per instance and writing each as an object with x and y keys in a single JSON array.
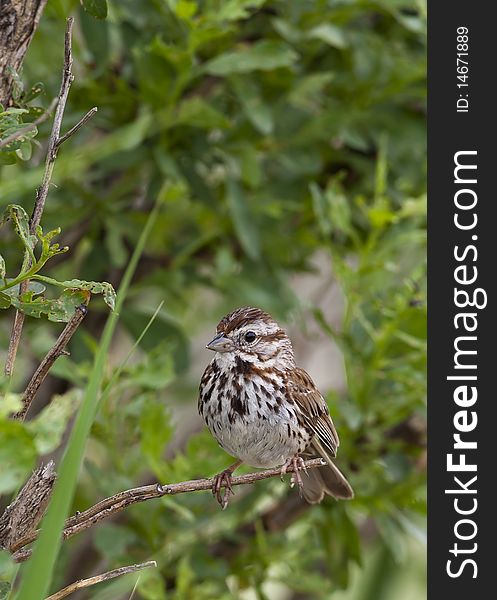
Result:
[
  {"x": 298, "y": 463},
  {"x": 221, "y": 480}
]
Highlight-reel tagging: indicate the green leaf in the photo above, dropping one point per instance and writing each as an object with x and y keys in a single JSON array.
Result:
[
  {"x": 320, "y": 209},
  {"x": 21, "y": 142},
  {"x": 60, "y": 309},
  {"x": 20, "y": 219},
  {"x": 330, "y": 34},
  {"x": 331, "y": 208},
  {"x": 111, "y": 540},
  {"x": 195, "y": 112},
  {"x": 151, "y": 586},
  {"x": 96, "y": 36},
  {"x": 233, "y": 10},
  {"x": 157, "y": 371},
  {"x": 264, "y": 56},
  {"x": 35, "y": 287},
  {"x": 95, "y": 287},
  {"x": 116, "y": 247},
  {"x": 14, "y": 111},
  {"x": 96, "y": 8},
  {"x": 391, "y": 533},
  {"x": 17, "y": 454},
  {"x": 8, "y": 158},
  {"x": 309, "y": 90},
  {"x": 185, "y": 576},
  {"x": 5, "y": 588},
  {"x": 49, "y": 426},
  {"x": 17, "y": 88},
  {"x": 37, "y": 89},
  {"x": 250, "y": 169},
  {"x": 10, "y": 404},
  {"x": 5, "y": 300},
  {"x": 25, "y": 150},
  {"x": 48, "y": 250},
  {"x": 243, "y": 221},
  {"x": 156, "y": 430},
  {"x": 255, "y": 109},
  {"x": 185, "y": 9}
]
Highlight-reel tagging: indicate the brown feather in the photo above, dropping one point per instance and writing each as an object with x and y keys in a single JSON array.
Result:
[
  {"x": 242, "y": 316},
  {"x": 313, "y": 408}
]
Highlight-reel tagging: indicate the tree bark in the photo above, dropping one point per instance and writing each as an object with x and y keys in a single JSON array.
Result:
[{"x": 18, "y": 22}]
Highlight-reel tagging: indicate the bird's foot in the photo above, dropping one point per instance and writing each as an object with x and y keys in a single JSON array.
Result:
[
  {"x": 298, "y": 463},
  {"x": 223, "y": 480}
]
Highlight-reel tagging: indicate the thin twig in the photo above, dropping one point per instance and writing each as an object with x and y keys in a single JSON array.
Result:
[
  {"x": 29, "y": 126},
  {"x": 84, "y": 583},
  {"x": 67, "y": 79},
  {"x": 76, "y": 127},
  {"x": 15, "y": 338},
  {"x": 110, "y": 506},
  {"x": 53, "y": 354},
  {"x": 54, "y": 143}
]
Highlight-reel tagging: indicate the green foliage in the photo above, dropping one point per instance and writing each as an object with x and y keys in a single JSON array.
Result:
[
  {"x": 96, "y": 8},
  {"x": 17, "y": 118},
  {"x": 75, "y": 292},
  {"x": 284, "y": 140}
]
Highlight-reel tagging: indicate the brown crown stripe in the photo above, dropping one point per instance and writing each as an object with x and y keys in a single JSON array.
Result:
[{"x": 242, "y": 316}]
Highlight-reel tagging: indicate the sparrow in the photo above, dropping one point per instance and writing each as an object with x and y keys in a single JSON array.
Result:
[{"x": 266, "y": 411}]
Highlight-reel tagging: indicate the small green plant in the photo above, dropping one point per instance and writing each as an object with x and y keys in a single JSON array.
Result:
[
  {"x": 32, "y": 302},
  {"x": 18, "y": 123}
]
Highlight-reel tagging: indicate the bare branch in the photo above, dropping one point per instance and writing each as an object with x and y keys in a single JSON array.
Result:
[
  {"x": 84, "y": 583},
  {"x": 53, "y": 354},
  {"x": 76, "y": 127},
  {"x": 67, "y": 79},
  {"x": 29, "y": 126},
  {"x": 15, "y": 338},
  {"x": 114, "y": 504},
  {"x": 21, "y": 517}
]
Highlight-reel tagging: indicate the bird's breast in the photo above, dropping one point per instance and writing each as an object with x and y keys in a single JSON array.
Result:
[{"x": 250, "y": 415}]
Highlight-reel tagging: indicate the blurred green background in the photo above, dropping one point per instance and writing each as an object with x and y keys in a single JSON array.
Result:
[{"x": 286, "y": 143}]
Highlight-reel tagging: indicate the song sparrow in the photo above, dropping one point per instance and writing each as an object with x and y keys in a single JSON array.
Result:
[{"x": 264, "y": 410}]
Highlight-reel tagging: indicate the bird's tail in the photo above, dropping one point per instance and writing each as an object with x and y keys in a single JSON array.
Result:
[{"x": 327, "y": 479}]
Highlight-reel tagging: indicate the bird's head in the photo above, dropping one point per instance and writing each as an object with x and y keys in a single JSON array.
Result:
[{"x": 253, "y": 336}]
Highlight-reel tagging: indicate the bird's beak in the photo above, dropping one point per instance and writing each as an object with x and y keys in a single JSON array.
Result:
[{"x": 220, "y": 344}]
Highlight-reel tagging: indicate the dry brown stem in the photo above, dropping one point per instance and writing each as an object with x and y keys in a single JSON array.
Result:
[
  {"x": 53, "y": 354},
  {"x": 84, "y": 583}
]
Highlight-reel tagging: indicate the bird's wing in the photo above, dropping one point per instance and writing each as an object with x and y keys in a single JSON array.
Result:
[{"x": 313, "y": 409}]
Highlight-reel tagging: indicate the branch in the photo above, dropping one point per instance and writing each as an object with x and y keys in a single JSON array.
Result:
[
  {"x": 114, "y": 504},
  {"x": 57, "y": 350},
  {"x": 84, "y": 583},
  {"x": 29, "y": 126},
  {"x": 76, "y": 127},
  {"x": 54, "y": 143},
  {"x": 67, "y": 79},
  {"x": 21, "y": 517}
]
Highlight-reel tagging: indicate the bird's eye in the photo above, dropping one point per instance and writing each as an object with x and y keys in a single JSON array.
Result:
[{"x": 250, "y": 336}]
